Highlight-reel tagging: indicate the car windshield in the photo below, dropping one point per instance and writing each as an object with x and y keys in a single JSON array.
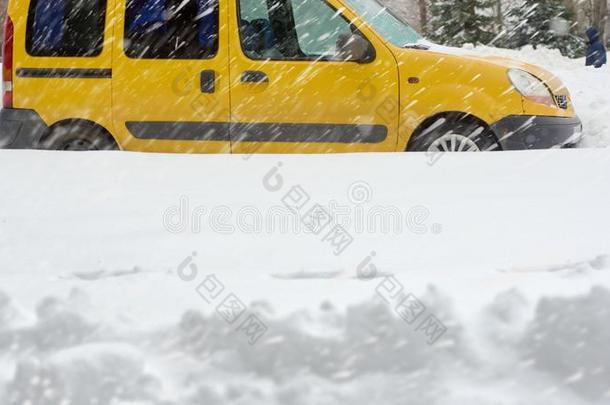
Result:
[{"x": 385, "y": 22}]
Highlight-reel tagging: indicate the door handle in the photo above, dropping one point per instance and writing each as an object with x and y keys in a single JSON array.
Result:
[
  {"x": 208, "y": 81},
  {"x": 254, "y": 76}
]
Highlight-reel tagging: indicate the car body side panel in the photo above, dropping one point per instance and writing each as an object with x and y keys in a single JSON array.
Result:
[{"x": 433, "y": 83}]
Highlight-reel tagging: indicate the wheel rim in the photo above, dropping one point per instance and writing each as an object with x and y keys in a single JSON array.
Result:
[
  {"x": 79, "y": 145},
  {"x": 454, "y": 143}
]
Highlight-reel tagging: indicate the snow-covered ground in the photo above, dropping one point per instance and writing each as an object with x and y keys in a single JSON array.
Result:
[
  {"x": 482, "y": 279},
  {"x": 490, "y": 285}
]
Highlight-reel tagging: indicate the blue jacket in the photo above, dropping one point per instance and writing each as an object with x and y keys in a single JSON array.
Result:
[{"x": 596, "y": 54}]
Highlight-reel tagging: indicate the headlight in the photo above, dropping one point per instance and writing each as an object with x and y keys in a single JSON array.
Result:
[{"x": 531, "y": 87}]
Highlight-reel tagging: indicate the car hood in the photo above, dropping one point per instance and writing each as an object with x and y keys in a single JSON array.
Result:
[{"x": 552, "y": 81}]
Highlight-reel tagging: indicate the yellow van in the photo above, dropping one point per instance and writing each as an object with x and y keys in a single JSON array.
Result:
[{"x": 267, "y": 76}]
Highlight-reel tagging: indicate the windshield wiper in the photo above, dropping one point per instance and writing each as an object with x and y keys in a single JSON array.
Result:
[{"x": 416, "y": 46}]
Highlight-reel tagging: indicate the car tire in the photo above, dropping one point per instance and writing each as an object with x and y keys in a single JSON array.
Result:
[
  {"x": 79, "y": 138},
  {"x": 454, "y": 134}
]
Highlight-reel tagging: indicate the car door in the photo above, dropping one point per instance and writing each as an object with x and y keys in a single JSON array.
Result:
[
  {"x": 170, "y": 79},
  {"x": 293, "y": 91}
]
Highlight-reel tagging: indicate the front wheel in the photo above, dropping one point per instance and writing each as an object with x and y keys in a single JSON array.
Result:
[
  {"x": 453, "y": 134},
  {"x": 453, "y": 142}
]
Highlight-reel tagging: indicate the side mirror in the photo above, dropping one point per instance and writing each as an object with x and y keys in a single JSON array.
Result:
[{"x": 354, "y": 48}]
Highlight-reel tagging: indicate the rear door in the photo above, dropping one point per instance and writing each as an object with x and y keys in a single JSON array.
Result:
[
  {"x": 170, "y": 86},
  {"x": 62, "y": 57}
]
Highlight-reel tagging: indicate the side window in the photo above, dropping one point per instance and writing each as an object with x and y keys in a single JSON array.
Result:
[
  {"x": 171, "y": 29},
  {"x": 65, "y": 27},
  {"x": 298, "y": 30},
  {"x": 257, "y": 35},
  {"x": 319, "y": 27}
]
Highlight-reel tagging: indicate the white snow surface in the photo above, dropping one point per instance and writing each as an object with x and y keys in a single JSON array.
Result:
[{"x": 509, "y": 250}]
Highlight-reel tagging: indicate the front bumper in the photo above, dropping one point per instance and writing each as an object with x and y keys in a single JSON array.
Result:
[
  {"x": 519, "y": 132},
  {"x": 20, "y": 129}
]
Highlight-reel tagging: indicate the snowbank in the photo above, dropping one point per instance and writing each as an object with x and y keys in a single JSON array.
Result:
[
  {"x": 558, "y": 357},
  {"x": 480, "y": 279}
]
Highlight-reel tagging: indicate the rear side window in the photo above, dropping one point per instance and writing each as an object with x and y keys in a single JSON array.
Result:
[
  {"x": 171, "y": 29},
  {"x": 66, "y": 27}
]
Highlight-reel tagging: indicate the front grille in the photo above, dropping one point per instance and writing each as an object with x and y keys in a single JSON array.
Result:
[{"x": 562, "y": 102}]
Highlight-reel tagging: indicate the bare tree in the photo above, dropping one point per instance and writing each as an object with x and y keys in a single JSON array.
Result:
[
  {"x": 599, "y": 15},
  {"x": 499, "y": 13},
  {"x": 423, "y": 15}
]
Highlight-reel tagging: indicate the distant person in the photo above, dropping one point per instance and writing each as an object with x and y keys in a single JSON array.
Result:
[{"x": 596, "y": 53}]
